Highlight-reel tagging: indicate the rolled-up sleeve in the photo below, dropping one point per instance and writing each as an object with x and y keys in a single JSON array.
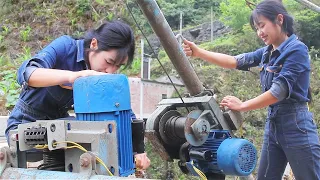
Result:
[
  {"x": 46, "y": 58},
  {"x": 296, "y": 63},
  {"x": 247, "y": 60},
  {"x": 279, "y": 90}
]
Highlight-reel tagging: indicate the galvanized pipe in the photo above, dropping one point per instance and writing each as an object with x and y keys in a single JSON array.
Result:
[
  {"x": 170, "y": 44},
  {"x": 20, "y": 173}
]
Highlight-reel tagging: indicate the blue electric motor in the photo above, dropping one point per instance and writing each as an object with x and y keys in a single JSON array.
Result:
[
  {"x": 222, "y": 154},
  {"x": 103, "y": 98}
]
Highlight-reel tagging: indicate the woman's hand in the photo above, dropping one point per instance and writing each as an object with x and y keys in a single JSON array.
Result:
[
  {"x": 190, "y": 48},
  {"x": 142, "y": 161},
  {"x": 83, "y": 73},
  {"x": 232, "y": 103}
]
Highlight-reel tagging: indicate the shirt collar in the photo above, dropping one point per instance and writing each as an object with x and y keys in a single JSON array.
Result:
[
  {"x": 283, "y": 45},
  {"x": 80, "y": 50}
]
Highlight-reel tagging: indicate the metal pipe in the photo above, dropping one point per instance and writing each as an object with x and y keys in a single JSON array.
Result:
[
  {"x": 170, "y": 44},
  {"x": 21, "y": 173}
]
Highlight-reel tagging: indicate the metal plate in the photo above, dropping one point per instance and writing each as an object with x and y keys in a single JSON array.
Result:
[{"x": 188, "y": 132}]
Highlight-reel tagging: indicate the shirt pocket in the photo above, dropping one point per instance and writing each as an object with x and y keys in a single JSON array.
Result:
[
  {"x": 274, "y": 69},
  {"x": 271, "y": 72}
]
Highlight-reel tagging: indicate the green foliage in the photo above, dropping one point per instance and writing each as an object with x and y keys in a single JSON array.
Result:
[
  {"x": 101, "y": 2},
  {"x": 5, "y": 30},
  {"x": 25, "y": 55},
  {"x": 82, "y": 7},
  {"x": 315, "y": 84},
  {"x": 194, "y": 12},
  {"x": 25, "y": 34},
  {"x": 9, "y": 87},
  {"x": 134, "y": 69},
  {"x": 235, "y": 44},
  {"x": 308, "y": 27},
  {"x": 235, "y": 13}
]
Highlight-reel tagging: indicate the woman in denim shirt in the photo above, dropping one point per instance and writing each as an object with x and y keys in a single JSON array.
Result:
[
  {"x": 290, "y": 132},
  {"x": 47, "y": 78}
]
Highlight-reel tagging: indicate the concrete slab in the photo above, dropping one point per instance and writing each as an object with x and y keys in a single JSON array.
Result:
[
  {"x": 3, "y": 125},
  {"x": 3, "y": 142}
]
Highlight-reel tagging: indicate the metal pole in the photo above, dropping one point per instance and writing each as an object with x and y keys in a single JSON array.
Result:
[
  {"x": 310, "y": 5},
  {"x": 149, "y": 64},
  {"x": 170, "y": 44},
  {"x": 211, "y": 23},
  {"x": 141, "y": 83},
  {"x": 180, "y": 41}
]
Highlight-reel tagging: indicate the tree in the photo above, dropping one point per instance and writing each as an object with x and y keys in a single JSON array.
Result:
[
  {"x": 307, "y": 27},
  {"x": 235, "y": 13}
]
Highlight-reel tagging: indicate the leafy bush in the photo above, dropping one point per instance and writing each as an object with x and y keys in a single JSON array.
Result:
[
  {"x": 235, "y": 13},
  {"x": 308, "y": 27},
  {"x": 9, "y": 87}
]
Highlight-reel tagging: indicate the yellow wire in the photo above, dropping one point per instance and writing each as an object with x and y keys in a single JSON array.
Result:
[
  {"x": 41, "y": 146},
  {"x": 75, "y": 145},
  {"x": 83, "y": 149},
  {"x": 199, "y": 172}
]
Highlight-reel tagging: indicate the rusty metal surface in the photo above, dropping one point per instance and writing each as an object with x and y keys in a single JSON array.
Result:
[
  {"x": 174, "y": 50},
  {"x": 157, "y": 145}
]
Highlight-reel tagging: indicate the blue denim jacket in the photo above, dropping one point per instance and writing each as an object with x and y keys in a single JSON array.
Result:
[
  {"x": 63, "y": 53},
  {"x": 53, "y": 102},
  {"x": 288, "y": 65}
]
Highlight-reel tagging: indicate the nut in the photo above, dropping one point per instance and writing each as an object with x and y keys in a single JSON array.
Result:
[{"x": 84, "y": 162}]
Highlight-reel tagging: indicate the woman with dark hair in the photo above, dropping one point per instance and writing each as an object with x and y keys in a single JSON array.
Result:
[
  {"x": 290, "y": 132},
  {"x": 47, "y": 78}
]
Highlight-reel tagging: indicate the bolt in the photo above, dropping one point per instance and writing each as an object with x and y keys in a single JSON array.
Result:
[
  {"x": 204, "y": 128},
  {"x": 84, "y": 162},
  {"x": 117, "y": 104},
  {"x": 53, "y": 127},
  {"x": 1, "y": 156}
]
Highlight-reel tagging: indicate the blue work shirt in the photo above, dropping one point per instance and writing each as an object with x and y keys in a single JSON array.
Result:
[
  {"x": 64, "y": 53},
  {"x": 48, "y": 103},
  {"x": 288, "y": 65}
]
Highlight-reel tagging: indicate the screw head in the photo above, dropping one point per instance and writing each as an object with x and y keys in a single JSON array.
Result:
[{"x": 53, "y": 127}]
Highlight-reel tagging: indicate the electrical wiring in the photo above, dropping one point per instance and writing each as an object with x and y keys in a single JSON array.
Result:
[
  {"x": 199, "y": 172},
  {"x": 75, "y": 145}
]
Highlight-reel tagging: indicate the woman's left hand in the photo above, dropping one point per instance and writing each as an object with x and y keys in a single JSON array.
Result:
[
  {"x": 142, "y": 161},
  {"x": 232, "y": 103}
]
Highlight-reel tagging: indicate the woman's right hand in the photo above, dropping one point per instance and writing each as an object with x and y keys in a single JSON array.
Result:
[
  {"x": 190, "y": 48},
  {"x": 84, "y": 73}
]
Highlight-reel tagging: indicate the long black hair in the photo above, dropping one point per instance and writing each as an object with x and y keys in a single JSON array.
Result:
[
  {"x": 270, "y": 10},
  {"x": 112, "y": 35}
]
